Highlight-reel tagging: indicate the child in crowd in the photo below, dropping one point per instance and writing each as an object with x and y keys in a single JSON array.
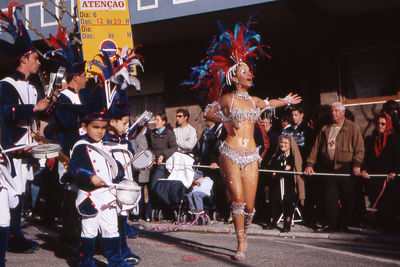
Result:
[
  {"x": 122, "y": 151},
  {"x": 286, "y": 158},
  {"x": 93, "y": 168}
]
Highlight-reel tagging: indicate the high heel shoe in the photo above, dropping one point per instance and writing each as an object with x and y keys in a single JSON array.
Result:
[{"x": 240, "y": 256}]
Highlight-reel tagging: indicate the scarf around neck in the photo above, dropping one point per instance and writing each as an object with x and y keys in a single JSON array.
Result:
[{"x": 381, "y": 138}]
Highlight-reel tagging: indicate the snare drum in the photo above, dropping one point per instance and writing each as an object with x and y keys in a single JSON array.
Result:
[
  {"x": 143, "y": 160},
  {"x": 46, "y": 151},
  {"x": 128, "y": 192}
]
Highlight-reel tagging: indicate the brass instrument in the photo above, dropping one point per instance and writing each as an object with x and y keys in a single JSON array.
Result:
[{"x": 64, "y": 159}]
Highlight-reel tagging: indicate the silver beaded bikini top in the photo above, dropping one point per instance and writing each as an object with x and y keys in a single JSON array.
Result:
[{"x": 239, "y": 115}]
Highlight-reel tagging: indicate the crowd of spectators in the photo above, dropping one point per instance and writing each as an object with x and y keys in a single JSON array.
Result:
[{"x": 327, "y": 141}]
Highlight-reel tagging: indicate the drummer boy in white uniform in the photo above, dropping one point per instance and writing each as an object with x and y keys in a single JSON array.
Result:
[
  {"x": 93, "y": 168},
  {"x": 20, "y": 104},
  {"x": 122, "y": 152}
]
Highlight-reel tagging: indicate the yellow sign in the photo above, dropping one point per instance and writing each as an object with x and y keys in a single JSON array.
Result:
[{"x": 104, "y": 25}]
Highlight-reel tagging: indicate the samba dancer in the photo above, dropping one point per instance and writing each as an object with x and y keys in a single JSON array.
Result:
[
  {"x": 231, "y": 58},
  {"x": 19, "y": 106}
]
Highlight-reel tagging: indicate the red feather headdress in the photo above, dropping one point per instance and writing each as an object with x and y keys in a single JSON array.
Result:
[{"x": 229, "y": 50}]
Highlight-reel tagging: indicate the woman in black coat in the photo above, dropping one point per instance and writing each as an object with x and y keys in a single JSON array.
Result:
[{"x": 382, "y": 156}]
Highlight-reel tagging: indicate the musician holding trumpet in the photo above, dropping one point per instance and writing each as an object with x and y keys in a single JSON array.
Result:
[{"x": 19, "y": 106}]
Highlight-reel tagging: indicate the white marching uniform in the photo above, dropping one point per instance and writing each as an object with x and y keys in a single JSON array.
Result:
[
  {"x": 8, "y": 195},
  {"x": 24, "y": 171},
  {"x": 102, "y": 199},
  {"x": 74, "y": 98}
]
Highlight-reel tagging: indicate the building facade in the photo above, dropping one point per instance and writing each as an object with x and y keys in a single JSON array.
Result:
[{"x": 325, "y": 50}]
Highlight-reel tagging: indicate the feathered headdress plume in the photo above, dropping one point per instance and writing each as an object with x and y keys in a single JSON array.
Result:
[
  {"x": 124, "y": 66},
  {"x": 117, "y": 68},
  {"x": 116, "y": 71},
  {"x": 226, "y": 52},
  {"x": 10, "y": 23},
  {"x": 67, "y": 53}
]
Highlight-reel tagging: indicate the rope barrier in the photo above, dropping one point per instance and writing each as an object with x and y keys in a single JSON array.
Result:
[{"x": 279, "y": 171}]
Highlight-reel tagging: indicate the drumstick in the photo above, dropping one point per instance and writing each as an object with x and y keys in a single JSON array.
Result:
[
  {"x": 128, "y": 187},
  {"x": 134, "y": 158},
  {"x": 19, "y": 147}
]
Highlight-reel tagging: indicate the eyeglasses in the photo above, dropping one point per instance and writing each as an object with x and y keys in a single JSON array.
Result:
[
  {"x": 381, "y": 123},
  {"x": 179, "y": 116}
]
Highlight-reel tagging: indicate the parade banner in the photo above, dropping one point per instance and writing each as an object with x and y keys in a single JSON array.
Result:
[{"x": 104, "y": 25}]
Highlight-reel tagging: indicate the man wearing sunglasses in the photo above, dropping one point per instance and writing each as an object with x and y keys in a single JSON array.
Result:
[{"x": 186, "y": 136}]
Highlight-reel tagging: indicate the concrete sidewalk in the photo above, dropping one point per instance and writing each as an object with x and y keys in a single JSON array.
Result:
[{"x": 297, "y": 231}]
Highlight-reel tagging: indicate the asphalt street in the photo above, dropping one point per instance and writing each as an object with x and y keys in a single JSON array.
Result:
[{"x": 162, "y": 245}]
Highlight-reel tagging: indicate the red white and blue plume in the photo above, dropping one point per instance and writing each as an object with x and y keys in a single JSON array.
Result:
[
  {"x": 226, "y": 52},
  {"x": 117, "y": 68},
  {"x": 125, "y": 61},
  {"x": 67, "y": 53},
  {"x": 116, "y": 71},
  {"x": 10, "y": 23}
]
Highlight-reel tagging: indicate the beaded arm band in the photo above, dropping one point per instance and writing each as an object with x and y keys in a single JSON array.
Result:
[
  {"x": 217, "y": 112},
  {"x": 267, "y": 103},
  {"x": 287, "y": 99}
]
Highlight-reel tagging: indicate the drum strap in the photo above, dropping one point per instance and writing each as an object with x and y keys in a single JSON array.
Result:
[
  {"x": 6, "y": 159},
  {"x": 119, "y": 149},
  {"x": 5, "y": 173},
  {"x": 14, "y": 83},
  {"x": 110, "y": 160},
  {"x": 21, "y": 96}
]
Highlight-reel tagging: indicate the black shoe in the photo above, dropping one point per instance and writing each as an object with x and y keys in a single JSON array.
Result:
[
  {"x": 229, "y": 221},
  {"x": 19, "y": 245},
  {"x": 286, "y": 227},
  {"x": 325, "y": 229},
  {"x": 133, "y": 260},
  {"x": 34, "y": 244},
  {"x": 270, "y": 226}
]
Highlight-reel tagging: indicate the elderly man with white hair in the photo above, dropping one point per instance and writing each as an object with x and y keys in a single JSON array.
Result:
[{"x": 338, "y": 148}]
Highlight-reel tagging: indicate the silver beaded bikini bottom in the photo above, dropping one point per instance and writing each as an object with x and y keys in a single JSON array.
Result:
[{"x": 239, "y": 156}]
